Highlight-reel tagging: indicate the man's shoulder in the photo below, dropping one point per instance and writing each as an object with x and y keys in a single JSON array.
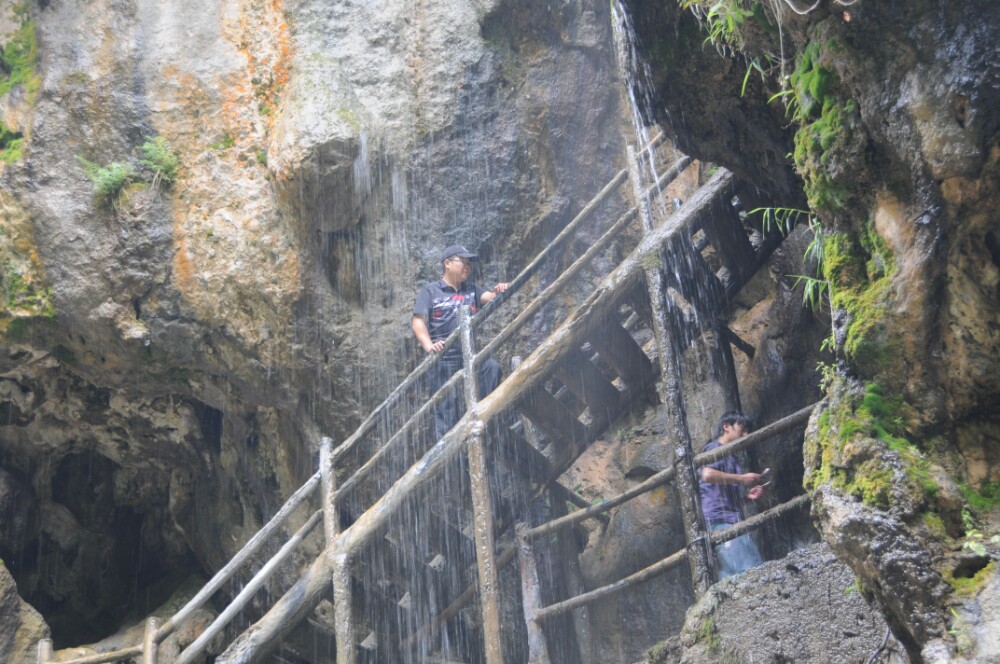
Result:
[{"x": 711, "y": 445}]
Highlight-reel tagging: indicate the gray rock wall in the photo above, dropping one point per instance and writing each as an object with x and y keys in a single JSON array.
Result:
[{"x": 187, "y": 336}]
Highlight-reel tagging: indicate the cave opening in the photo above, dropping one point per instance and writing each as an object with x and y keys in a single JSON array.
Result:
[{"x": 99, "y": 559}]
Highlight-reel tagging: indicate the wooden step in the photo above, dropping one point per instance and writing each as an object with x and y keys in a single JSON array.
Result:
[
  {"x": 621, "y": 352},
  {"x": 586, "y": 381}
]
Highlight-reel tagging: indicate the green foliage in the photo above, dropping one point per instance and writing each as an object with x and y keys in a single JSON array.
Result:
[
  {"x": 20, "y": 58},
  {"x": 227, "y": 141},
  {"x": 815, "y": 291},
  {"x": 708, "y": 635},
  {"x": 158, "y": 157},
  {"x": 21, "y": 293},
  {"x": 11, "y": 144},
  {"x": 109, "y": 181},
  {"x": 983, "y": 500},
  {"x": 780, "y": 218},
  {"x": 822, "y": 117},
  {"x": 261, "y": 156},
  {"x": 722, "y": 19}
]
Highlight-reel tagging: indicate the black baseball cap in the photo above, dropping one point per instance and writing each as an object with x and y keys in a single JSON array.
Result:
[{"x": 460, "y": 251}]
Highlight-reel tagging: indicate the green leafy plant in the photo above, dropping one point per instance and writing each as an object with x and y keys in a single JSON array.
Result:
[
  {"x": 974, "y": 538},
  {"x": 227, "y": 141},
  {"x": 159, "y": 157},
  {"x": 780, "y": 218},
  {"x": 109, "y": 181}
]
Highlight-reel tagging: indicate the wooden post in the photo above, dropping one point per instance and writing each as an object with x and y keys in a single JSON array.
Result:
[
  {"x": 343, "y": 609},
  {"x": 672, "y": 396},
  {"x": 568, "y": 551},
  {"x": 331, "y": 522},
  {"x": 44, "y": 651},
  {"x": 149, "y": 641},
  {"x": 482, "y": 503},
  {"x": 531, "y": 595}
]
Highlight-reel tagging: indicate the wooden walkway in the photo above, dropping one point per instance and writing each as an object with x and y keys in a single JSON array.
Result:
[{"x": 404, "y": 515}]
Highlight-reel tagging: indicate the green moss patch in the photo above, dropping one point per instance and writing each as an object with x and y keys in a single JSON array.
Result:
[
  {"x": 860, "y": 274},
  {"x": 862, "y": 447},
  {"x": 11, "y": 144},
  {"x": 20, "y": 59},
  {"x": 969, "y": 586}
]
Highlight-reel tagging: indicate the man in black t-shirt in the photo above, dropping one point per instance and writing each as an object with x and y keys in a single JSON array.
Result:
[{"x": 435, "y": 316}]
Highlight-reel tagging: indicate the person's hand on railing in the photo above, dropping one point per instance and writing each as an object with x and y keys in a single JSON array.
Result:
[
  {"x": 501, "y": 287},
  {"x": 435, "y": 347}
]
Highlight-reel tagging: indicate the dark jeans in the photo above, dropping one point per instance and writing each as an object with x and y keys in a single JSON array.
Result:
[{"x": 449, "y": 411}]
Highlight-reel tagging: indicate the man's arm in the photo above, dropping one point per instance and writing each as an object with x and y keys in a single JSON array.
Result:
[
  {"x": 488, "y": 296},
  {"x": 752, "y": 480},
  {"x": 713, "y": 476},
  {"x": 419, "y": 326}
]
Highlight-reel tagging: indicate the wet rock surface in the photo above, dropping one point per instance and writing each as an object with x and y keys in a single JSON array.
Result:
[
  {"x": 192, "y": 340},
  {"x": 21, "y": 626},
  {"x": 807, "y": 607}
]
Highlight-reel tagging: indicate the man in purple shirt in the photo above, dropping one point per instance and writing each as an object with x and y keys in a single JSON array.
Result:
[
  {"x": 435, "y": 316},
  {"x": 722, "y": 485}
]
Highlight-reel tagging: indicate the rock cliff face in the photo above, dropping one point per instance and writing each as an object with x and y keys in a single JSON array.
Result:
[
  {"x": 172, "y": 351},
  {"x": 887, "y": 111}
]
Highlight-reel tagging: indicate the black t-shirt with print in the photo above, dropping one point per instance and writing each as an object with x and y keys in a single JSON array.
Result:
[{"x": 438, "y": 304}]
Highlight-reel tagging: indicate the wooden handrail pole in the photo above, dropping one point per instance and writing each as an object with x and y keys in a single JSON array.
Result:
[
  {"x": 328, "y": 474},
  {"x": 149, "y": 644},
  {"x": 343, "y": 608},
  {"x": 482, "y": 502},
  {"x": 198, "y": 646},
  {"x": 254, "y": 543},
  {"x": 672, "y": 396},
  {"x": 531, "y": 595},
  {"x": 44, "y": 651}
]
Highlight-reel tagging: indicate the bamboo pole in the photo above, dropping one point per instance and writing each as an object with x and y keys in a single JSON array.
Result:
[
  {"x": 100, "y": 658},
  {"x": 257, "y": 641},
  {"x": 797, "y": 418},
  {"x": 567, "y": 275},
  {"x": 482, "y": 503},
  {"x": 671, "y": 561},
  {"x": 343, "y": 609},
  {"x": 331, "y": 522},
  {"x": 531, "y": 595},
  {"x": 254, "y": 543},
  {"x": 198, "y": 646},
  {"x": 44, "y": 651},
  {"x": 672, "y": 396},
  {"x": 149, "y": 641},
  {"x": 780, "y": 426},
  {"x": 651, "y": 483},
  {"x": 383, "y": 451}
]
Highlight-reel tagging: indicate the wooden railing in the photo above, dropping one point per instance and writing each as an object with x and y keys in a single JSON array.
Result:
[{"x": 535, "y": 613}]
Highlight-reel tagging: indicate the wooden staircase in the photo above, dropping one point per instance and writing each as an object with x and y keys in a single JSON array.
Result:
[{"x": 417, "y": 531}]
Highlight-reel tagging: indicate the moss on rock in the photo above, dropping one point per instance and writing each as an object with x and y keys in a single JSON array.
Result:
[{"x": 860, "y": 449}]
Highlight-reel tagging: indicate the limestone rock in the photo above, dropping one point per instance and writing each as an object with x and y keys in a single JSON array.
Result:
[
  {"x": 805, "y": 608},
  {"x": 21, "y": 627}
]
